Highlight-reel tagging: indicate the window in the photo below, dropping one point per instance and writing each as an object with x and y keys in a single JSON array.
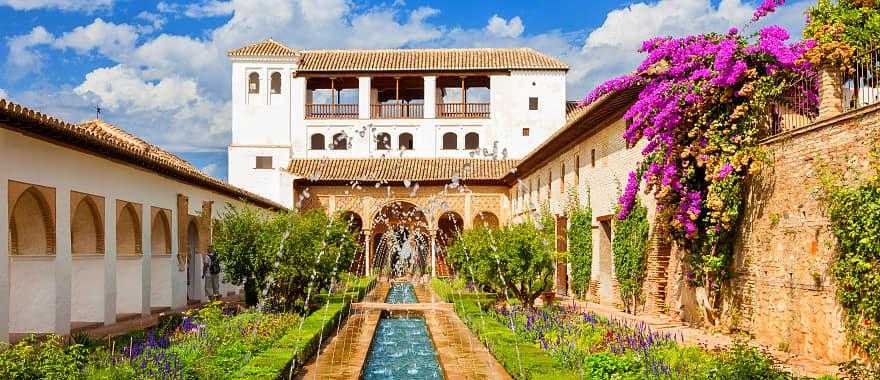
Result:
[
  {"x": 533, "y": 103},
  {"x": 264, "y": 162},
  {"x": 276, "y": 83},
  {"x": 254, "y": 83},
  {"x": 405, "y": 141},
  {"x": 317, "y": 142},
  {"x": 383, "y": 141},
  {"x": 525, "y": 132},
  {"x": 450, "y": 141},
  {"x": 472, "y": 141},
  {"x": 340, "y": 141}
]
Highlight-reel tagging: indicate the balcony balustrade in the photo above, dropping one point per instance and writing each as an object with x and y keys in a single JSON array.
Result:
[
  {"x": 331, "y": 111},
  {"x": 463, "y": 110},
  {"x": 397, "y": 111}
]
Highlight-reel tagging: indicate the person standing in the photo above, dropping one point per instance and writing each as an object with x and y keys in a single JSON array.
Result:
[{"x": 211, "y": 274}]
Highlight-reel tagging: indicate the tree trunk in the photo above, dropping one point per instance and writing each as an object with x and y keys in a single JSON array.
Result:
[{"x": 250, "y": 292}]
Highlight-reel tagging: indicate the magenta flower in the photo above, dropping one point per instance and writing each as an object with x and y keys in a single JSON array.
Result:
[
  {"x": 766, "y": 7},
  {"x": 725, "y": 171}
]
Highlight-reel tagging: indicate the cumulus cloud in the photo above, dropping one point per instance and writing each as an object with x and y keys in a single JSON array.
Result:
[
  {"x": 23, "y": 58},
  {"x": 156, "y": 20},
  {"x": 64, "y": 5},
  {"x": 204, "y": 9},
  {"x": 111, "y": 40},
  {"x": 503, "y": 28}
]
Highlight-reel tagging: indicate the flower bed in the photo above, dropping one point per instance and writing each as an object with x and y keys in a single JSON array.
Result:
[{"x": 296, "y": 347}]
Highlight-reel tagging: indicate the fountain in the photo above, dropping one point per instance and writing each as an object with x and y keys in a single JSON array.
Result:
[{"x": 402, "y": 349}]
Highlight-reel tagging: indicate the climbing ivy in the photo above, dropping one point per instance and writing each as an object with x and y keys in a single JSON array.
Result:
[
  {"x": 630, "y": 247},
  {"x": 580, "y": 246},
  {"x": 853, "y": 207}
]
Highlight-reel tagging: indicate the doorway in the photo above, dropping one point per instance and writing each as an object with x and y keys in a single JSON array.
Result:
[{"x": 193, "y": 265}]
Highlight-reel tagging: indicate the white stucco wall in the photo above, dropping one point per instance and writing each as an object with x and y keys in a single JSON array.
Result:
[
  {"x": 160, "y": 281},
  {"x": 40, "y": 296}
]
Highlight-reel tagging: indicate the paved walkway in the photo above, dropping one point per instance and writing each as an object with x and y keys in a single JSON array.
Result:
[{"x": 798, "y": 365}]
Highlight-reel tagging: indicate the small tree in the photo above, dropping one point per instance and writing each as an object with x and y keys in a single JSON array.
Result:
[
  {"x": 516, "y": 259},
  {"x": 630, "y": 247},
  {"x": 238, "y": 236}
]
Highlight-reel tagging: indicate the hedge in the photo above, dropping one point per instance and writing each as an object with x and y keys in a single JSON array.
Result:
[
  {"x": 300, "y": 344},
  {"x": 522, "y": 359}
]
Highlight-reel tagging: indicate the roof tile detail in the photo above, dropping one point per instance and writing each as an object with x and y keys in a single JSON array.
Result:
[
  {"x": 265, "y": 48},
  {"x": 401, "y": 169},
  {"x": 428, "y": 59}
]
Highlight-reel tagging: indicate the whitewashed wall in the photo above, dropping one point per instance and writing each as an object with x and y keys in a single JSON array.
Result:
[{"x": 36, "y": 293}]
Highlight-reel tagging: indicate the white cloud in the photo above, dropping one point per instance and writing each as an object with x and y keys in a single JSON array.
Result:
[
  {"x": 120, "y": 86},
  {"x": 3, "y": 94},
  {"x": 156, "y": 20},
  {"x": 111, "y": 40},
  {"x": 64, "y": 5},
  {"x": 203, "y": 9},
  {"x": 211, "y": 169},
  {"x": 503, "y": 28},
  {"x": 22, "y": 57}
]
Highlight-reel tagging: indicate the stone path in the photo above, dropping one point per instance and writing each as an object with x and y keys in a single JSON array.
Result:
[
  {"x": 798, "y": 365},
  {"x": 461, "y": 355}
]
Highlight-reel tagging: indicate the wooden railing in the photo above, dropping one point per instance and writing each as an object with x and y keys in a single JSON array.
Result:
[
  {"x": 463, "y": 110},
  {"x": 331, "y": 111},
  {"x": 397, "y": 111}
]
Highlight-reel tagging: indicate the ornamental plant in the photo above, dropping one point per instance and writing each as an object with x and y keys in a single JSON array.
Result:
[
  {"x": 630, "y": 247},
  {"x": 580, "y": 247},
  {"x": 842, "y": 29},
  {"x": 702, "y": 105}
]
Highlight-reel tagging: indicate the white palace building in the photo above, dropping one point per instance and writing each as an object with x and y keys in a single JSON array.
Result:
[{"x": 290, "y": 104}]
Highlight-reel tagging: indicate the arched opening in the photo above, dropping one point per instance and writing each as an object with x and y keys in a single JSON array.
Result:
[
  {"x": 161, "y": 266},
  {"x": 128, "y": 232},
  {"x": 405, "y": 141},
  {"x": 449, "y": 226},
  {"x": 355, "y": 225},
  {"x": 31, "y": 262},
  {"x": 486, "y": 219},
  {"x": 31, "y": 230},
  {"x": 129, "y": 269},
  {"x": 87, "y": 229},
  {"x": 450, "y": 141},
  {"x": 383, "y": 141},
  {"x": 253, "y": 83},
  {"x": 472, "y": 141},
  {"x": 194, "y": 292},
  {"x": 401, "y": 241},
  {"x": 275, "y": 83},
  {"x": 340, "y": 141},
  {"x": 317, "y": 142}
]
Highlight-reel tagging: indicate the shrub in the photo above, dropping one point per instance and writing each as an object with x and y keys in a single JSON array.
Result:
[
  {"x": 49, "y": 359},
  {"x": 580, "y": 248},
  {"x": 742, "y": 361},
  {"x": 630, "y": 248}
]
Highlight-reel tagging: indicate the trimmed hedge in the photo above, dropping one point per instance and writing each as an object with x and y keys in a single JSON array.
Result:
[
  {"x": 300, "y": 344},
  {"x": 522, "y": 359}
]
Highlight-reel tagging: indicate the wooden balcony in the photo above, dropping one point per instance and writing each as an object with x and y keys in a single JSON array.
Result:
[
  {"x": 331, "y": 111},
  {"x": 463, "y": 110},
  {"x": 397, "y": 111}
]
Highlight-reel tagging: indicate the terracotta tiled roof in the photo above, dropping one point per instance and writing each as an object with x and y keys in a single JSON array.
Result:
[
  {"x": 107, "y": 141},
  {"x": 428, "y": 59},
  {"x": 401, "y": 169},
  {"x": 265, "y": 48},
  {"x": 570, "y": 107}
]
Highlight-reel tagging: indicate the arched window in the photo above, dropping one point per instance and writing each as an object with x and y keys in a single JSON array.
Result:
[
  {"x": 472, "y": 141},
  {"x": 128, "y": 232},
  {"x": 86, "y": 229},
  {"x": 30, "y": 226},
  {"x": 276, "y": 83},
  {"x": 340, "y": 141},
  {"x": 405, "y": 141},
  {"x": 317, "y": 142},
  {"x": 383, "y": 141},
  {"x": 160, "y": 235},
  {"x": 450, "y": 141},
  {"x": 253, "y": 83}
]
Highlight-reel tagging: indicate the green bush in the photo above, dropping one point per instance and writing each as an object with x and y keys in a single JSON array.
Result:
[
  {"x": 49, "y": 358},
  {"x": 580, "y": 249},
  {"x": 742, "y": 361},
  {"x": 605, "y": 366},
  {"x": 630, "y": 248}
]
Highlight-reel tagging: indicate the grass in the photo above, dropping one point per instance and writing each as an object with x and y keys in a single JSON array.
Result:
[
  {"x": 297, "y": 346},
  {"x": 523, "y": 360}
]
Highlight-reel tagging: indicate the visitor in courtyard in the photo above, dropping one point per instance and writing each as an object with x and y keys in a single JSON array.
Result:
[{"x": 211, "y": 274}]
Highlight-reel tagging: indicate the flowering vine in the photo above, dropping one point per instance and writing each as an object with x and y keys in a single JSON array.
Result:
[{"x": 703, "y": 102}]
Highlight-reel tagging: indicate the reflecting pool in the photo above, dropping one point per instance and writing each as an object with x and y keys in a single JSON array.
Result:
[
  {"x": 401, "y": 292},
  {"x": 402, "y": 349}
]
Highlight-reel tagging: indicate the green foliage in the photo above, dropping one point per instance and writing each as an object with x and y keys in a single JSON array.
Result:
[
  {"x": 630, "y": 247},
  {"x": 853, "y": 208},
  {"x": 842, "y": 30},
  {"x": 287, "y": 254},
  {"x": 49, "y": 358},
  {"x": 606, "y": 366},
  {"x": 742, "y": 361},
  {"x": 296, "y": 347},
  {"x": 517, "y": 259},
  {"x": 580, "y": 248}
]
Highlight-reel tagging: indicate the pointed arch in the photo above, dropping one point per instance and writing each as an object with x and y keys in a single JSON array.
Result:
[
  {"x": 128, "y": 231},
  {"x": 486, "y": 219},
  {"x": 31, "y": 226},
  {"x": 87, "y": 227},
  {"x": 160, "y": 233}
]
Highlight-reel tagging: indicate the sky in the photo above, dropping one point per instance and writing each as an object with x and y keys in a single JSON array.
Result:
[{"x": 160, "y": 71}]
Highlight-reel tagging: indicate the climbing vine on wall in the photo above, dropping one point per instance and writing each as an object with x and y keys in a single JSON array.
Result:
[
  {"x": 580, "y": 246},
  {"x": 842, "y": 29},
  {"x": 701, "y": 108},
  {"x": 853, "y": 208},
  {"x": 630, "y": 248}
]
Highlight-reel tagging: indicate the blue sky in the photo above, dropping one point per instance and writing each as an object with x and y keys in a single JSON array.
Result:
[{"x": 159, "y": 69}]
